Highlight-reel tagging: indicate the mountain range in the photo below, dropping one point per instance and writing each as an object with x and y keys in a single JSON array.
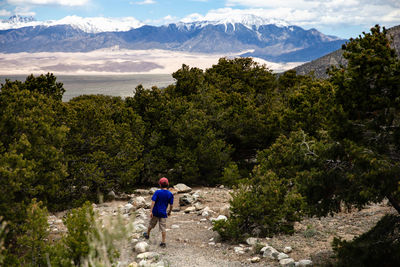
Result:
[{"x": 249, "y": 35}]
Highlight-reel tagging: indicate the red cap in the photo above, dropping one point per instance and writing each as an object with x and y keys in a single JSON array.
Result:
[{"x": 163, "y": 181}]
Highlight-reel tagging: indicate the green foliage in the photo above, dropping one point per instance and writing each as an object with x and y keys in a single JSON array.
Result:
[
  {"x": 80, "y": 223},
  {"x": 104, "y": 146},
  {"x": 378, "y": 247},
  {"x": 33, "y": 243},
  {"x": 263, "y": 205}
]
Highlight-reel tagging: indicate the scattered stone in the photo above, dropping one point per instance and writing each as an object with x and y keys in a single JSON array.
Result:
[
  {"x": 305, "y": 263},
  {"x": 182, "y": 188},
  {"x": 141, "y": 192},
  {"x": 139, "y": 202},
  {"x": 111, "y": 195},
  {"x": 289, "y": 262},
  {"x": 219, "y": 218},
  {"x": 198, "y": 206},
  {"x": 141, "y": 247},
  {"x": 186, "y": 199},
  {"x": 138, "y": 227},
  {"x": 255, "y": 259},
  {"x": 287, "y": 249},
  {"x": 221, "y": 186},
  {"x": 147, "y": 255},
  {"x": 133, "y": 264},
  {"x": 190, "y": 209},
  {"x": 203, "y": 220},
  {"x": 153, "y": 190},
  {"x": 205, "y": 213},
  {"x": 211, "y": 243},
  {"x": 238, "y": 250},
  {"x": 127, "y": 209},
  {"x": 271, "y": 253},
  {"x": 174, "y": 226},
  {"x": 251, "y": 241},
  {"x": 282, "y": 256}
]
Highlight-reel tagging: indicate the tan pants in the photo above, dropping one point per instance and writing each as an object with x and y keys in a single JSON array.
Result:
[{"x": 162, "y": 223}]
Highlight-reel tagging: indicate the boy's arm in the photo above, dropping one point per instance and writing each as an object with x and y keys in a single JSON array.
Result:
[
  {"x": 151, "y": 208},
  {"x": 170, "y": 209}
]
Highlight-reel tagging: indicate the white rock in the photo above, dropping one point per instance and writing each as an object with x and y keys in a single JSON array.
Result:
[
  {"x": 182, "y": 188},
  {"x": 203, "y": 220},
  {"x": 174, "y": 226},
  {"x": 141, "y": 247},
  {"x": 282, "y": 256},
  {"x": 211, "y": 243},
  {"x": 271, "y": 253},
  {"x": 238, "y": 250},
  {"x": 153, "y": 190},
  {"x": 255, "y": 259},
  {"x": 305, "y": 263},
  {"x": 219, "y": 218},
  {"x": 287, "y": 249},
  {"x": 133, "y": 264},
  {"x": 287, "y": 262},
  {"x": 225, "y": 210},
  {"x": 147, "y": 255},
  {"x": 198, "y": 206},
  {"x": 205, "y": 213},
  {"x": 139, "y": 202},
  {"x": 127, "y": 208},
  {"x": 138, "y": 227},
  {"x": 251, "y": 241},
  {"x": 190, "y": 209}
]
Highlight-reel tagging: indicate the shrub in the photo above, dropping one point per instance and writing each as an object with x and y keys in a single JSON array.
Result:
[{"x": 378, "y": 247}]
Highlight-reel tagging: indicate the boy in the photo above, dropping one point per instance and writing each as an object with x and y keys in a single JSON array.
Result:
[{"x": 158, "y": 210}]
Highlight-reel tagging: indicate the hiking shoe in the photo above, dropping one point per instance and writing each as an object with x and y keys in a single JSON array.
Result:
[
  {"x": 145, "y": 235},
  {"x": 163, "y": 245}
]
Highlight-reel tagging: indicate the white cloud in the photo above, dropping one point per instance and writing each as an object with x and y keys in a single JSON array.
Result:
[
  {"x": 144, "y": 2},
  {"x": 4, "y": 13},
  {"x": 24, "y": 11},
  {"x": 327, "y": 13},
  {"x": 49, "y": 2}
]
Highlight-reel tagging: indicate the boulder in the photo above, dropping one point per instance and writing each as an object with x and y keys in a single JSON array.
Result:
[
  {"x": 111, "y": 195},
  {"x": 287, "y": 249},
  {"x": 289, "y": 262},
  {"x": 305, "y": 263},
  {"x": 128, "y": 208},
  {"x": 182, "y": 188},
  {"x": 198, "y": 206},
  {"x": 219, "y": 218},
  {"x": 141, "y": 247},
  {"x": 271, "y": 253},
  {"x": 153, "y": 190},
  {"x": 147, "y": 255},
  {"x": 187, "y": 199},
  {"x": 139, "y": 202},
  {"x": 225, "y": 210},
  {"x": 282, "y": 256},
  {"x": 190, "y": 209},
  {"x": 251, "y": 241},
  {"x": 238, "y": 250},
  {"x": 141, "y": 192},
  {"x": 255, "y": 259}
]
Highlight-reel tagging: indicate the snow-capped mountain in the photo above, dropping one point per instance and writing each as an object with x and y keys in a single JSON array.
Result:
[
  {"x": 88, "y": 25},
  {"x": 268, "y": 39}
]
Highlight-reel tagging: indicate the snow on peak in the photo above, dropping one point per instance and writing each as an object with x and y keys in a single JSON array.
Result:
[
  {"x": 89, "y": 25},
  {"x": 230, "y": 16}
]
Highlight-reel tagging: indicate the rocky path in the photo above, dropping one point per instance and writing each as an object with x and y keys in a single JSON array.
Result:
[{"x": 191, "y": 241}]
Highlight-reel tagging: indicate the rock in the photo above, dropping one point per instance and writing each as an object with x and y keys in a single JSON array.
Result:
[
  {"x": 251, "y": 241},
  {"x": 238, "y": 250},
  {"x": 147, "y": 255},
  {"x": 187, "y": 199},
  {"x": 255, "y": 259},
  {"x": 219, "y": 218},
  {"x": 122, "y": 196},
  {"x": 305, "y": 263},
  {"x": 128, "y": 208},
  {"x": 133, "y": 264},
  {"x": 138, "y": 227},
  {"x": 271, "y": 253},
  {"x": 190, "y": 209},
  {"x": 203, "y": 220},
  {"x": 141, "y": 247},
  {"x": 198, "y": 206},
  {"x": 289, "y": 262},
  {"x": 287, "y": 249},
  {"x": 205, "y": 213},
  {"x": 153, "y": 190},
  {"x": 139, "y": 202},
  {"x": 282, "y": 256},
  {"x": 111, "y": 195},
  {"x": 174, "y": 226},
  {"x": 182, "y": 188},
  {"x": 141, "y": 192},
  {"x": 221, "y": 186},
  {"x": 224, "y": 210}
]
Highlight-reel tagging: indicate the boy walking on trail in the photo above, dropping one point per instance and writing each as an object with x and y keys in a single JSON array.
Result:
[{"x": 158, "y": 210}]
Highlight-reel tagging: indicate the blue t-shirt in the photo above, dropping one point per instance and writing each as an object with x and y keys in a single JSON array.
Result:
[{"x": 162, "y": 198}]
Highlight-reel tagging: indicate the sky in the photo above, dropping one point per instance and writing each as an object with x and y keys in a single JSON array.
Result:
[{"x": 342, "y": 18}]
